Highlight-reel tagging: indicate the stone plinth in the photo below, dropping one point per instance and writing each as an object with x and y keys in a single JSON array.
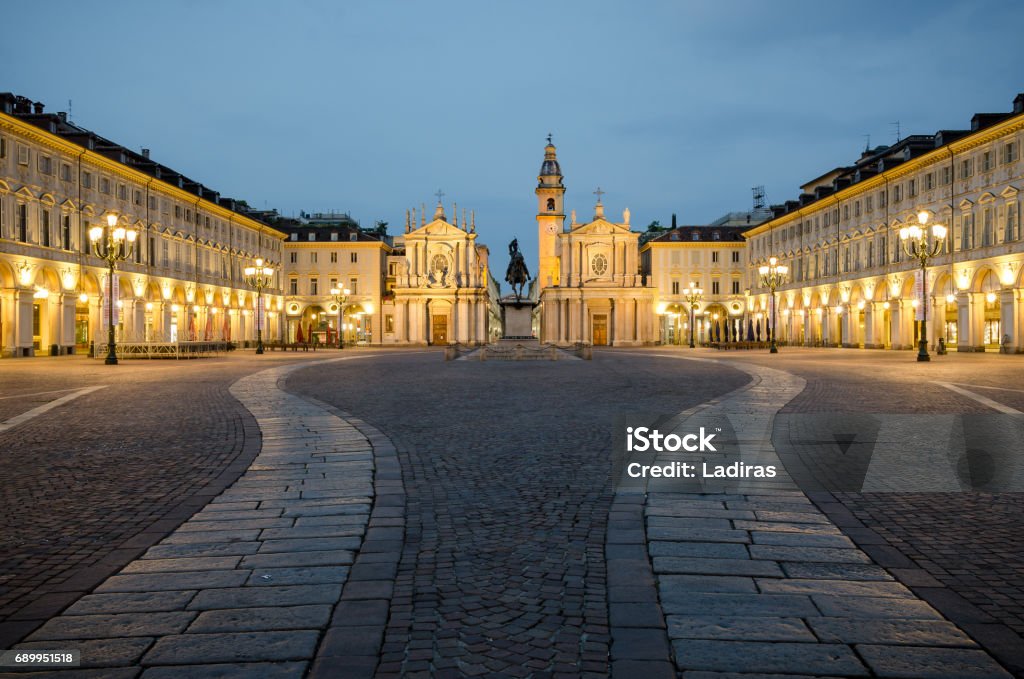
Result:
[{"x": 517, "y": 318}]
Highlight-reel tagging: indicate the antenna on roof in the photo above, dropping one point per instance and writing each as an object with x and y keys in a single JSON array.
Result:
[
  {"x": 867, "y": 142},
  {"x": 759, "y": 201},
  {"x": 897, "y": 126},
  {"x": 69, "y": 109}
]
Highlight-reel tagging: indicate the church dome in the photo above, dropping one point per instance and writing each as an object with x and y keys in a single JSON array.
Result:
[{"x": 550, "y": 167}]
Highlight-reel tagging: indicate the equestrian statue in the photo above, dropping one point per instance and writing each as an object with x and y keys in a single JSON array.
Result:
[{"x": 517, "y": 273}]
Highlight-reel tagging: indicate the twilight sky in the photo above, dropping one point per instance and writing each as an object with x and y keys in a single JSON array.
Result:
[{"x": 371, "y": 107}]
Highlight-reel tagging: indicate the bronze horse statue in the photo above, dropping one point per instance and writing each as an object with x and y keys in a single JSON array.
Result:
[{"x": 517, "y": 273}]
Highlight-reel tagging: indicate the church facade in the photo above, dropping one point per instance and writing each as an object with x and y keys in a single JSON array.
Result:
[
  {"x": 440, "y": 291},
  {"x": 591, "y": 289}
]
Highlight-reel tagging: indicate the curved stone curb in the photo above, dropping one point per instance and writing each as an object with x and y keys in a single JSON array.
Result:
[
  {"x": 245, "y": 586},
  {"x": 753, "y": 577}
]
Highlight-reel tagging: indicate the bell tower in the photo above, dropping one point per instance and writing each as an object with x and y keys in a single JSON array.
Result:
[{"x": 550, "y": 217}]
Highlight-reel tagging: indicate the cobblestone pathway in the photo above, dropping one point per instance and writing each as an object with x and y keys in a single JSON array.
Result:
[
  {"x": 506, "y": 473},
  {"x": 247, "y": 585}
]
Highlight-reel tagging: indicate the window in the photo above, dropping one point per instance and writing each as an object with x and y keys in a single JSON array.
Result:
[
  {"x": 65, "y": 232},
  {"x": 353, "y": 286},
  {"x": 929, "y": 181},
  {"x": 122, "y": 192},
  {"x": 871, "y": 253},
  {"x": 881, "y": 199},
  {"x": 314, "y": 286},
  {"x": 869, "y": 203},
  {"x": 675, "y": 287},
  {"x": 293, "y": 286},
  {"x": 551, "y": 204},
  {"x": 846, "y": 212},
  {"x": 3, "y": 147},
  {"x": 104, "y": 185},
  {"x": 714, "y": 256},
  {"x": 353, "y": 236},
  {"x": 735, "y": 287},
  {"x": 353, "y": 257},
  {"x": 735, "y": 256},
  {"x": 293, "y": 257},
  {"x": 137, "y": 198},
  {"x": 947, "y": 175},
  {"x": 389, "y": 323},
  {"x": 986, "y": 226},
  {"x": 44, "y": 225},
  {"x": 312, "y": 258},
  {"x": 45, "y": 164},
  {"x": 599, "y": 265},
  {"x": 87, "y": 180},
  {"x": 333, "y": 283},
  {"x": 966, "y": 168},
  {"x": 177, "y": 212},
  {"x": 334, "y": 255},
  {"x": 392, "y": 268},
  {"x": 716, "y": 236},
  {"x": 714, "y": 287},
  {"x": 65, "y": 172},
  {"x": 23, "y": 154},
  {"x": 912, "y": 188},
  {"x": 1010, "y": 152},
  {"x": 986, "y": 162},
  {"x": 1011, "y": 222},
  {"x": 22, "y": 222},
  {"x": 334, "y": 235},
  {"x": 897, "y": 193},
  {"x": 856, "y": 209},
  {"x": 294, "y": 236},
  {"x": 696, "y": 236},
  {"x": 312, "y": 236}
]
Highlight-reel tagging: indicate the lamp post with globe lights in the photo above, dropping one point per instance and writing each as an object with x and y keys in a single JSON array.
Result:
[
  {"x": 692, "y": 295},
  {"x": 922, "y": 243},
  {"x": 112, "y": 244},
  {"x": 773, "y": 275},
  {"x": 259, "y": 277},
  {"x": 340, "y": 297}
]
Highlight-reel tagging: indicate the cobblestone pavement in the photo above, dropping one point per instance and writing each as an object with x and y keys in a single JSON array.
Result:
[
  {"x": 244, "y": 587},
  {"x": 88, "y": 486},
  {"x": 506, "y": 474},
  {"x": 963, "y": 552}
]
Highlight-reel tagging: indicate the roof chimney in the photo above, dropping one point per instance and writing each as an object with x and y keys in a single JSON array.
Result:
[
  {"x": 1018, "y": 103},
  {"x": 145, "y": 153},
  {"x": 63, "y": 115},
  {"x": 38, "y": 106},
  {"x": 673, "y": 220}
]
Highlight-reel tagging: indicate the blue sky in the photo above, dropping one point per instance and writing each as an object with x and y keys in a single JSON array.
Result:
[{"x": 371, "y": 107}]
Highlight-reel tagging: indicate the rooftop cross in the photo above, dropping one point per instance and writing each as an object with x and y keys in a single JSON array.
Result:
[
  {"x": 549, "y": 137},
  {"x": 599, "y": 193},
  {"x": 440, "y": 195}
]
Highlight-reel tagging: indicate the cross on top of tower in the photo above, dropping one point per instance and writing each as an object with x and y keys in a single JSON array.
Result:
[
  {"x": 440, "y": 195},
  {"x": 599, "y": 193},
  {"x": 549, "y": 137}
]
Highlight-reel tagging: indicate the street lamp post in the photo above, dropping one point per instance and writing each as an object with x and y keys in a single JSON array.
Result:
[
  {"x": 112, "y": 244},
  {"x": 340, "y": 297},
  {"x": 692, "y": 295},
  {"x": 917, "y": 244},
  {"x": 773, "y": 275},
  {"x": 259, "y": 277}
]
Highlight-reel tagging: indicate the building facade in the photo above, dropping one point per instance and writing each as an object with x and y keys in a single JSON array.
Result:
[
  {"x": 324, "y": 254},
  {"x": 437, "y": 282},
  {"x": 184, "y": 279},
  {"x": 852, "y": 285},
  {"x": 590, "y": 286},
  {"x": 712, "y": 258}
]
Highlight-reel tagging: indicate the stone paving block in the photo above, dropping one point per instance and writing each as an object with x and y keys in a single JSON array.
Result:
[
  {"x": 237, "y": 524},
  {"x": 211, "y": 536},
  {"x": 152, "y": 582},
  {"x": 164, "y": 551},
  {"x": 635, "y": 615},
  {"x": 927, "y": 663},
  {"x": 838, "y": 587},
  {"x": 352, "y": 641},
  {"x": 128, "y": 602},
  {"x": 197, "y": 563},
  {"x": 877, "y": 608},
  {"x": 113, "y": 626},
  {"x": 695, "y": 520},
  {"x": 736, "y": 605},
  {"x": 350, "y": 667},
  {"x": 309, "y": 545},
  {"x": 100, "y": 652},
  {"x": 648, "y": 669},
  {"x": 813, "y": 554},
  {"x": 888, "y": 632},
  {"x": 246, "y": 597},
  {"x": 834, "y": 571},
  {"x": 639, "y": 644},
  {"x": 801, "y": 540},
  {"x": 757, "y": 657},
  {"x": 307, "y": 575},
  {"x": 675, "y": 586},
  {"x": 276, "y": 670},
  {"x": 334, "y": 557},
  {"x": 696, "y": 534},
  {"x": 315, "y": 532},
  {"x": 262, "y": 618},
  {"x": 359, "y": 519},
  {"x": 704, "y": 550},
  {"x": 192, "y": 649},
  {"x": 786, "y": 527},
  {"x": 672, "y": 564},
  {"x": 791, "y": 517},
  {"x": 244, "y": 514},
  {"x": 738, "y": 628},
  {"x": 355, "y": 613}
]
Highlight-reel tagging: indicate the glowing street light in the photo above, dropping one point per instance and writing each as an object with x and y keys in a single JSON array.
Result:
[
  {"x": 773, "y": 275},
  {"x": 340, "y": 297},
  {"x": 918, "y": 245},
  {"x": 692, "y": 295},
  {"x": 112, "y": 244},
  {"x": 259, "y": 277}
]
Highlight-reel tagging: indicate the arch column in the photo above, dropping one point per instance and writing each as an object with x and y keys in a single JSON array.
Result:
[{"x": 1007, "y": 318}]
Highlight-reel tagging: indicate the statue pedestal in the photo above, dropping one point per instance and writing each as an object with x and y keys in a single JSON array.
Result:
[{"x": 517, "y": 319}]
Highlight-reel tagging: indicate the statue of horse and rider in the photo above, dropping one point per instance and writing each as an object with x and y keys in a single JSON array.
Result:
[{"x": 517, "y": 273}]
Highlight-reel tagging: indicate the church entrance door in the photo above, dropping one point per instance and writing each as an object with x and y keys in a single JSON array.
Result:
[
  {"x": 439, "y": 327},
  {"x": 600, "y": 330}
]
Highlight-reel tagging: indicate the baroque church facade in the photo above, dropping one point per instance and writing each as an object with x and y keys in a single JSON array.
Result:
[{"x": 589, "y": 281}]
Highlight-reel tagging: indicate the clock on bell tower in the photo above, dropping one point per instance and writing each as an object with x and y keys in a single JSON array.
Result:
[{"x": 550, "y": 216}]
